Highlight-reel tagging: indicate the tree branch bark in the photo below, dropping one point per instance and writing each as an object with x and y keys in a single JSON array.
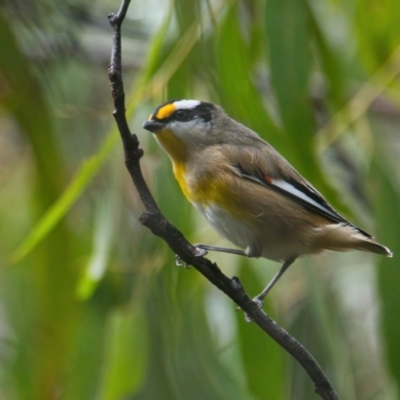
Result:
[{"x": 156, "y": 222}]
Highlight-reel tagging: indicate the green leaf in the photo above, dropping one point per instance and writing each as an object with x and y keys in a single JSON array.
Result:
[
  {"x": 330, "y": 61},
  {"x": 53, "y": 215},
  {"x": 288, "y": 34},
  {"x": 290, "y": 62},
  {"x": 386, "y": 202},
  {"x": 90, "y": 168},
  {"x": 263, "y": 358},
  {"x": 124, "y": 372},
  {"x": 102, "y": 240},
  {"x": 239, "y": 95}
]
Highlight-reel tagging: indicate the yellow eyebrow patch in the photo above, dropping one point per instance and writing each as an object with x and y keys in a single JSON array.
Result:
[{"x": 166, "y": 111}]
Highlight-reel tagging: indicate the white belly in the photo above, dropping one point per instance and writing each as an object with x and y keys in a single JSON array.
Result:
[
  {"x": 237, "y": 232},
  {"x": 264, "y": 242}
]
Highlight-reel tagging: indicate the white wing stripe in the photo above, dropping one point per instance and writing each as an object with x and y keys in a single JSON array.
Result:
[{"x": 296, "y": 192}]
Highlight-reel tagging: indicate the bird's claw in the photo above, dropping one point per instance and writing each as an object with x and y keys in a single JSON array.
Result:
[
  {"x": 259, "y": 303},
  {"x": 199, "y": 252},
  {"x": 180, "y": 263}
]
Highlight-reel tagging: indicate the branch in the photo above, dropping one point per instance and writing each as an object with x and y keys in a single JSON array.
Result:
[{"x": 156, "y": 222}]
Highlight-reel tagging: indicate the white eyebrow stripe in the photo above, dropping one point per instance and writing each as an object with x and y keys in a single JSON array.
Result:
[
  {"x": 186, "y": 104},
  {"x": 296, "y": 192}
]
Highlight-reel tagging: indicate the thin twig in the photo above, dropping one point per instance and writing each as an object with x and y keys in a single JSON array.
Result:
[{"x": 156, "y": 222}]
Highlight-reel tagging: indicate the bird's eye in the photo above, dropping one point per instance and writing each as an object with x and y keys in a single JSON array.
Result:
[{"x": 181, "y": 114}]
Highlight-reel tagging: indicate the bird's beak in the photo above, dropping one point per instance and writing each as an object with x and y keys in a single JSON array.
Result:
[{"x": 153, "y": 126}]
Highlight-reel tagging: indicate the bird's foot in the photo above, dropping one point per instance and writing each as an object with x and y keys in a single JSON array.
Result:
[
  {"x": 259, "y": 304},
  {"x": 180, "y": 263},
  {"x": 198, "y": 252}
]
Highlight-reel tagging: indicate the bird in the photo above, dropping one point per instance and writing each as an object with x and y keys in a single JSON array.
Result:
[{"x": 248, "y": 192}]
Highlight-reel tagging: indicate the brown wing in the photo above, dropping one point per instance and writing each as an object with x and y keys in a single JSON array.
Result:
[{"x": 264, "y": 165}]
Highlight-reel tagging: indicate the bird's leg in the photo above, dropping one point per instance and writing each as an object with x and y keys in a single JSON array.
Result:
[
  {"x": 259, "y": 299},
  {"x": 202, "y": 249},
  {"x": 206, "y": 248}
]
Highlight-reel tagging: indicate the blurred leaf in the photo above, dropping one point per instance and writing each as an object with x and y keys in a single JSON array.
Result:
[
  {"x": 378, "y": 40},
  {"x": 91, "y": 167},
  {"x": 263, "y": 358},
  {"x": 67, "y": 199},
  {"x": 386, "y": 202},
  {"x": 103, "y": 235},
  {"x": 87, "y": 355},
  {"x": 183, "y": 361},
  {"x": 39, "y": 364},
  {"x": 330, "y": 61},
  {"x": 18, "y": 87},
  {"x": 359, "y": 104},
  {"x": 288, "y": 34},
  {"x": 239, "y": 95},
  {"x": 126, "y": 357},
  {"x": 290, "y": 58}
]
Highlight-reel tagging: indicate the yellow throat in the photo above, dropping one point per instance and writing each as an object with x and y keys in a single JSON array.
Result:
[
  {"x": 205, "y": 191},
  {"x": 176, "y": 150}
]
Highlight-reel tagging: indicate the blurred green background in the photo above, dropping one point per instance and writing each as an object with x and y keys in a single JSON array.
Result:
[{"x": 91, "y": 304}]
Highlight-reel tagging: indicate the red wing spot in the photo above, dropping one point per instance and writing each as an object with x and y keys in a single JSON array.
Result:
[{"x": 268, "y": 179}]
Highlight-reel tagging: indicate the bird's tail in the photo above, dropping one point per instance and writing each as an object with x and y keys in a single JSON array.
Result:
[
  {"x": 374, "y": 247},
  {"x": 342, "y": 237}
]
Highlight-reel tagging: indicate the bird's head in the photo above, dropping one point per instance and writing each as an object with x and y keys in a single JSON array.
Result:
[{"x": 183, "y": 126}]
